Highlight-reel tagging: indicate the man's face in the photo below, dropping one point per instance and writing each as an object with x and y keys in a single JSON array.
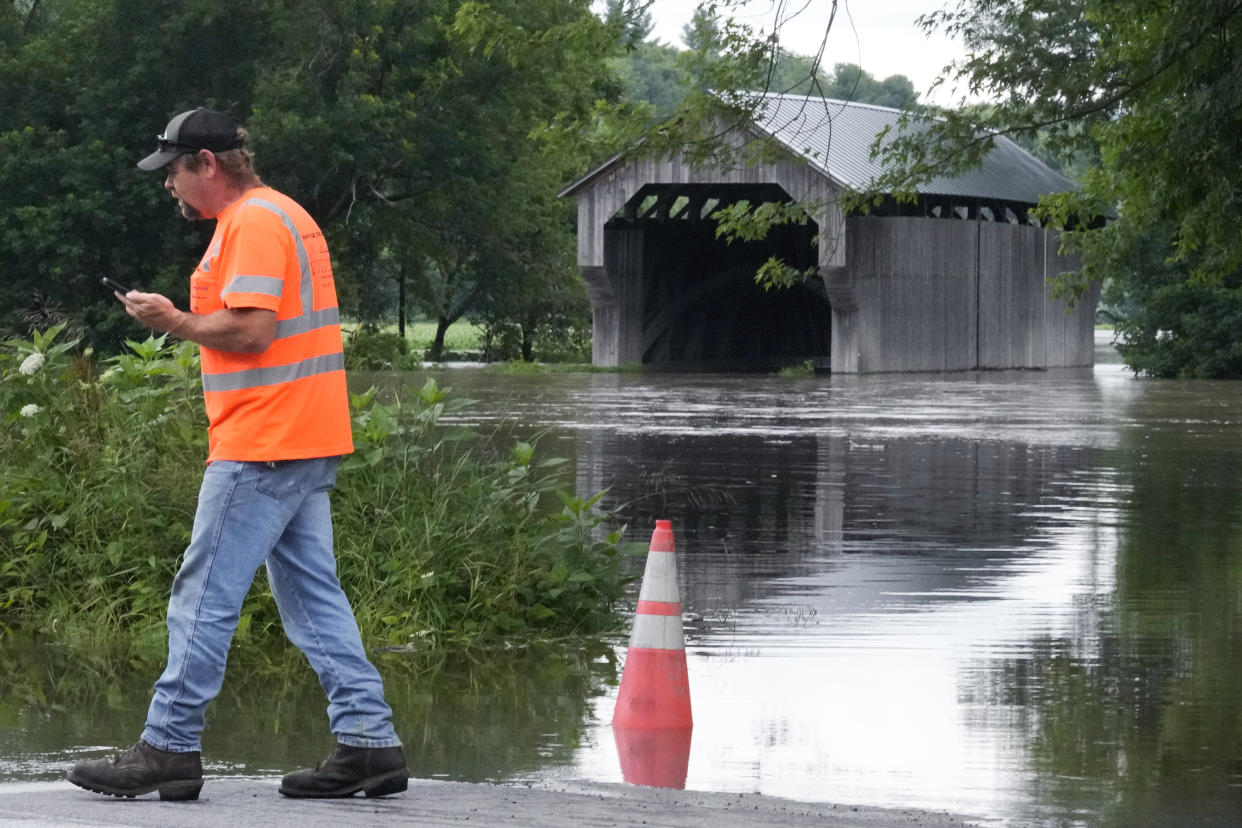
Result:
[{"x": 186, "y": 186}]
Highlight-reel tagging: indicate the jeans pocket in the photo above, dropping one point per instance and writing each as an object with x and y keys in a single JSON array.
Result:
[
  {"x": 279, "y": 479},
  {"x": 327, "y": 478}
]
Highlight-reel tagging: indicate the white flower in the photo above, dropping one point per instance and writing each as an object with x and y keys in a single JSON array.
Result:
[
  {"x": 30, "y": 410},
  {"x": 31, "y": 364}
]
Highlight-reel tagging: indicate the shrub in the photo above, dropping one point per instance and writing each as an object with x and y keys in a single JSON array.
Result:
[
  {"x": 98, "y": 487},
  {"x": 565, "y": 344},
  {"x": 803, "y": 369},
  {"x": 370, "y": 349},
  {"x": 1185, "y": 329},
  {"x": 439, "y": 539}
]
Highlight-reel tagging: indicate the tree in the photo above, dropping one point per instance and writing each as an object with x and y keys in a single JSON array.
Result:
[
  {"x": 541, "y": 299},
  {"x": 426, "y": 126},
  {"x": 703, "y": 32},
  {"x": 1155, "y": 87},
  {"x": 631, "y": 19},
  {"x": 79, "y": 78},
  {"x": 802, "y": 75},
  {"x": 654, "y": 73},
  {"x": 663, "y": 76},
  {"x": 422, "y": 137},
  {"x": 850, "y": 82}
]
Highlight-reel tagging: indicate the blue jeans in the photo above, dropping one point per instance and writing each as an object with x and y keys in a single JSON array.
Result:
[{"x": 248, "y": 514}]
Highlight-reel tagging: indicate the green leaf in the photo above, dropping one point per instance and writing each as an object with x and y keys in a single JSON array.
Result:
[{"x": 522, "y": 453}]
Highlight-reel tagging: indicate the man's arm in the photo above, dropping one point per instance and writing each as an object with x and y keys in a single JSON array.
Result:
[{"x": 240, "y": 330}]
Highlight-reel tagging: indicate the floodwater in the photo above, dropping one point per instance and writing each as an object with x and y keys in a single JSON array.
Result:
[{"x": 1015, "y": 596}]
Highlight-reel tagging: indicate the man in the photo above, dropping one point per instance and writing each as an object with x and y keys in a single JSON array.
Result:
[{"x": 263, "y": 309}]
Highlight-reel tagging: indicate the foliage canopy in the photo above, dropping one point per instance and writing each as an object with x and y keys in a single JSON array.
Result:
[{"x": 416, "y": 134}]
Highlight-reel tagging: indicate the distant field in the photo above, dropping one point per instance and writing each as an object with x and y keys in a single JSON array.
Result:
[{"x": 460, "y": 336}]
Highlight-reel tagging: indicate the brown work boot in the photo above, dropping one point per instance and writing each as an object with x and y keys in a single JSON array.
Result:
[
  {"x": 374, "y": 771},
  {"x": 141, "y": 770}
]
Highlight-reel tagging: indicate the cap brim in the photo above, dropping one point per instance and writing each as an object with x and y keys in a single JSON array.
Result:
[{"x": 157, "y": 159}]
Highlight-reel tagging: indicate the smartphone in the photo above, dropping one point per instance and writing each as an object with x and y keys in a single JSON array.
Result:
[{"x": 112, "y": 284}]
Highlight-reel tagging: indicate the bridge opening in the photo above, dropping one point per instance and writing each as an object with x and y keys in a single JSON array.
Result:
[{"x": 701, "y": 308}]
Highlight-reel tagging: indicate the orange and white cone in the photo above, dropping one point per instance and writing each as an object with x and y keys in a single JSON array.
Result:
[
  {"x": 652, "y": 721},
  {"x": 655, "y": 685}
]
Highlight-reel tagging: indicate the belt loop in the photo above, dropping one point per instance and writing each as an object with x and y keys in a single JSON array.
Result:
[{"x": 271, "y": 464}]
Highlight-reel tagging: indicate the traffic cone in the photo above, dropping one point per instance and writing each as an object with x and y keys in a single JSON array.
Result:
[
  {"x": 655, "y": 686},
  {"x": 652, "y": 721}
]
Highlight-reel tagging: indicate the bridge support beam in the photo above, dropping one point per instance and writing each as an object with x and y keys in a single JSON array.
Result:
[{"x": 616, "y": 294}]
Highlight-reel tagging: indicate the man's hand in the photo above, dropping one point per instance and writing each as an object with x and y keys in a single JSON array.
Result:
[
  {"x": 241, "y": 330},
  {"x": 151, "y": 309}
]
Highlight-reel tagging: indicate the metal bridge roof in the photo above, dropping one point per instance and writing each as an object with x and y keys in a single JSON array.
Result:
[{"x": 835, "y": 137}]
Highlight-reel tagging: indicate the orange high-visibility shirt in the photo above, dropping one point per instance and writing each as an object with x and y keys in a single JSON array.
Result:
[{"x": 289, "y": 402}]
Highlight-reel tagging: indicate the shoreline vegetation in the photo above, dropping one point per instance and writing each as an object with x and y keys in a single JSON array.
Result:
[
  {"x": 373, "y": 348},
  {"x": 444, "y": 539},
  {"x": 381, "y": 348}
]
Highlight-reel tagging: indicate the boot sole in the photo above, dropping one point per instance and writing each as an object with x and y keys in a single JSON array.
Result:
[
  {"x": 382, "y": 784},
  {"x": 182, "y": 790}
]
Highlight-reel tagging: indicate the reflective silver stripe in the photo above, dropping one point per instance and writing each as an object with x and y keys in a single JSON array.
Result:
[
  {"x": 307, "y": 322},
  {"x": 659, "y": 578},
  {"x": 306, "y": 287},
  {"x": 265, "y": 285},
  {"x": 275, "y": 374},
  {"x": 210, "y": 255},
  {"x": 657, "y": 632}
]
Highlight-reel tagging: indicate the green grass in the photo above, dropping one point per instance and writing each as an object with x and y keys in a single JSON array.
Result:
[
  {"x": 805, "y": 369},
  {"x": 460, "y": 336}
]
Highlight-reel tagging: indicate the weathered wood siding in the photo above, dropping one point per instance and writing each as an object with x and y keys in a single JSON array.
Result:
[
  {"x": 1012, "y": 297},
  {"x": 946, "y": 295},
  {"x": 917, "y": 302},
  {"x": 1071, "y": 327},
  {"x": 1021, "y": 325},
  {"x": 617, "y": 315}
]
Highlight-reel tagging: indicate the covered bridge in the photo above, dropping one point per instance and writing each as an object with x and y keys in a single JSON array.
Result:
[{"x": 958, "y": 281}]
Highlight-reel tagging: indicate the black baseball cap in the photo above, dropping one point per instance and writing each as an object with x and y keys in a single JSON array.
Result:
[{"x": 198, "y": 129}]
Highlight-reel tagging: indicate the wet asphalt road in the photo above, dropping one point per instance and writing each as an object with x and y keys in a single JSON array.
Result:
[{"x": 250, "y": 802}]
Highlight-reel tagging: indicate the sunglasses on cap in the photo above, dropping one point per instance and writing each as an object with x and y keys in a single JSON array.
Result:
[{"x": 164, "y": 145}]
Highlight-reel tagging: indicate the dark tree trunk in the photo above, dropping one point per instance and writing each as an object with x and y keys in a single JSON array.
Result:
[
  {"x": 528, "y": 343},
  {"x": 401, "y": 304},
  {"x": 437, "y": 345}
]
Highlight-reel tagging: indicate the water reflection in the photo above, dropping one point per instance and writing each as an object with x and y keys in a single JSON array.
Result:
[
  {"x": 1011, "y": 595},
  {"x": 511, "y": 714},
  {"x": 1008, "y": 595},
  {"x": 839, "y": 616},
  {"x": 1151, "y": 705}
]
